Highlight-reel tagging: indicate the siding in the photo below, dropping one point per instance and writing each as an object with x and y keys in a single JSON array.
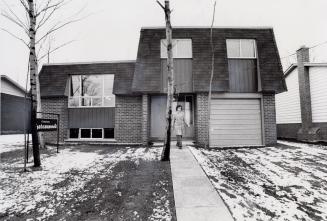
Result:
[
  {"x": 148, "y": 71},
  {"x": 242, "y": 75},
  {"x": 182, "y": 75},
  {"x": 318, "y": 90},
  {"x": 288, "y": 109},
  {"x": 91, "y": 117},
  {"x": 13, "y": 114}
]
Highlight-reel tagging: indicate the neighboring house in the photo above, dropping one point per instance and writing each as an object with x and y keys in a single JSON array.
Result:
[
  {"x": 14, "y": 117},
  {"x": 302, "y": 110},
  {"x": 125, "y": 102}
]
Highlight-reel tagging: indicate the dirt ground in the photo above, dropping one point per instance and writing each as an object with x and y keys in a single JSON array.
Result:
[
  {"x": 115, "y": 184},
  {"x": 284, "y": 182}
]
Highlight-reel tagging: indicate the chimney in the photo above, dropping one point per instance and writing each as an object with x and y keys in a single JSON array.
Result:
[{"x": 302, "y": 55}]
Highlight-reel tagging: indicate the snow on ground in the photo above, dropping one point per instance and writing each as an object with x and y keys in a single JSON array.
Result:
[
  {"x": 11, "y": 142},
  {"x": 22, "y": 192},
  {"x": 286, "y": 182}
]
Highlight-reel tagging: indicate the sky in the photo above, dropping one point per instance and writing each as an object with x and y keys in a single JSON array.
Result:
[{"x": 110, "y": 29}]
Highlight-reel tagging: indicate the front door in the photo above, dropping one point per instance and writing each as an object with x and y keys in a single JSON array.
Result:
[{"x": 158, "y": 115}]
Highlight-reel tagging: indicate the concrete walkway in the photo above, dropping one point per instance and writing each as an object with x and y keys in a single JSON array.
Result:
[{"x": 195, "y": 197}]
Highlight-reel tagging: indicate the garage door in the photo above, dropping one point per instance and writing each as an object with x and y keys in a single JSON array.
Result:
[{"x": 235, "y": 122}]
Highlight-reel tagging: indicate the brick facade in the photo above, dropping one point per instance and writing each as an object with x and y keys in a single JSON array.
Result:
[
  {"x": 128, "y": 119},
  {"x": 145, "y": 119},
  {"x": 201, "y": 119},
  {"x": 269, "y": 116},
  {"x": 58, "y": 106}
]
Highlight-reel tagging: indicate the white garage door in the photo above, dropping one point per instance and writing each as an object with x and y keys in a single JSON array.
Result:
[{"x": 235, "y": 122}]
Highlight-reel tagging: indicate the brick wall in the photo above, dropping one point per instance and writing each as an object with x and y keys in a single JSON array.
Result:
[
  {"x": 128, "y": 119},
  {"x": 269, "y": 114},
  {"x": 145, "y": 119},
  {"x": 58, "y": 106},
  {"x": 201, "y": 119}
]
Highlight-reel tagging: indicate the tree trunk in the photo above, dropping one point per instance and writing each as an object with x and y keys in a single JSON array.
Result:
[
  {"x": 212, "y": 71},
  {"x": 33, "y": 82},
  {"x": 170, "y": 89}
]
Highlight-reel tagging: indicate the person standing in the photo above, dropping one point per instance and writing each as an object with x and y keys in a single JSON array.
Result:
[{"x": 179, "y": 125}]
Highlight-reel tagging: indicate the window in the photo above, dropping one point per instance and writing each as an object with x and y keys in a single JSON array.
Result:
[
  {"x": 91, "y": 91},
  {"x": 74, "y": 133},
  {"x": 241, "y": 48},
  {"x": 109, "y": 133},
  {"x": 91, "y": 133},
  {"x": 182, "y": 48}
]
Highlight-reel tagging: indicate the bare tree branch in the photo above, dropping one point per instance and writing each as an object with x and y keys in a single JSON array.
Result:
[
  {"x": 15, "y": 19},
  {"x": 46, "y": 16},
  {"x": 163, "y": 7},
  {"x": 48, "y": 6},
  {"x": 24, "y": 5},
  {"x": 11, "y": 19},
  {"x": 41, "y": 46},
  {"x": 55, "y": 49},
  {"x": 56, "y": 27},
  {"x": 18, "y": 38}
]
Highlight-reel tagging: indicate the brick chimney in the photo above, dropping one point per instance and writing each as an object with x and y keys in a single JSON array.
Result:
[{"x": 302, "y": 55}]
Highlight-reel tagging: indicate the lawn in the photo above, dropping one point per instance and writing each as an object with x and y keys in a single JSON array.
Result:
[
  {"x": 285, "y": 182},
  {"x": 86, "y": 183}
]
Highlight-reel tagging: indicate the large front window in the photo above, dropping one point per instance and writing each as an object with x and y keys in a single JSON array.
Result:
[{"x": 91, "y": 91}]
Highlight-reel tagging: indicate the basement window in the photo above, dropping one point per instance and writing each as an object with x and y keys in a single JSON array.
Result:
[
  {"x": 241, "y": 48},
  {"x": 91, "y": 133}
]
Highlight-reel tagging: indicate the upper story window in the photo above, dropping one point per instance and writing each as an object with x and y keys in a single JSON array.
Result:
[
  {"x": 182, "y": 48},
  {"x": 91, "y": 91},
  {"x": 241, "y": 48}
]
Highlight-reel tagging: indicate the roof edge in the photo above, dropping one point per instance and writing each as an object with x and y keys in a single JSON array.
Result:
[
  {"x": 14, "y": 83},
  {"x": 90, "y": 62},
  {"x": 313, "y": 64},
  {"x": 203, "y": 27}
]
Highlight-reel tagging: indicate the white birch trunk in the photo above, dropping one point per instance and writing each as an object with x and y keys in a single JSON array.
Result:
[
  {"x": 170, "y": 81},
  {"x": 33, "y": 81}
]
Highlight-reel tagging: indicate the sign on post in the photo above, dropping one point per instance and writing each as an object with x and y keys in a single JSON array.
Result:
[{"x": 44, "y": 124}]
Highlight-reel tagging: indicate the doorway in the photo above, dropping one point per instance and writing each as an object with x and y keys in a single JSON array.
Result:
[{"x": 158, "y": 115}]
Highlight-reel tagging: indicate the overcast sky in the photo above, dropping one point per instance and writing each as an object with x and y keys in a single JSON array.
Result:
[{"x": 112, "y": 30}]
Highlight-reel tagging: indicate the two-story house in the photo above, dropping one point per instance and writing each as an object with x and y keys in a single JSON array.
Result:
[{"x": 125, "y": 102}]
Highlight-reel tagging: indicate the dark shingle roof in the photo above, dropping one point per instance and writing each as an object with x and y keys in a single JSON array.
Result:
[
  {"x": 53, "y": 77},
  {"x": 148, "y": 68}
]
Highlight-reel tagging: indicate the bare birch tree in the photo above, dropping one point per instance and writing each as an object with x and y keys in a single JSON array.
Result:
[
  {"x": 212, "y": 69},
  {"x": 37, "y": 26},
  {"x": 170, "y": 81}
]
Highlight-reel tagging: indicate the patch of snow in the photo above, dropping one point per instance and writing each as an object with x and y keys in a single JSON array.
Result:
[
  {"x": 289, "y": 175},
  {"x": 11, "y": 142},
  {"x": 22, "y": 192}
]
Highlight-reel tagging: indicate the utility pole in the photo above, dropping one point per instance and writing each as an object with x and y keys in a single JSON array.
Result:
[{"x": 165, "y": 155}]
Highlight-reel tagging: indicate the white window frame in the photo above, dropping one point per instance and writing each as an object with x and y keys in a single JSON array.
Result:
[
  {"x": 91, "y": 97},
  {"x": 163, "y": 48},
  {"x": 240, "y": 43}
]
